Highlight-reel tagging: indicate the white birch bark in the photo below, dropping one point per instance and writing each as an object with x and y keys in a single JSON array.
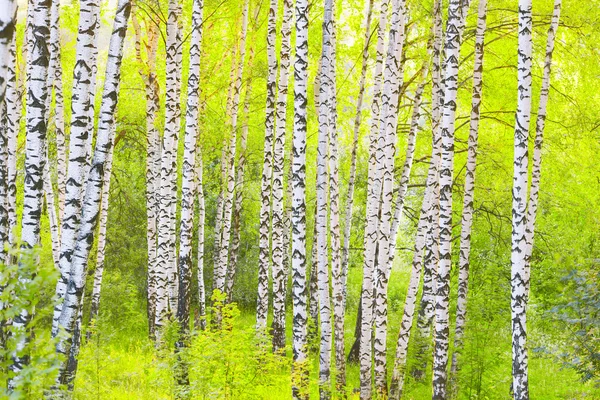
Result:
[
  {"x": 279, "y": 273},
  {"x": 51, "y": 206},
  {"x": 262, "y": 306},
  {"x": 454, "y": 27},
  {"x": 393, "y": 78},
  {"x": 93, "y": 192},
  {"x": 540, "y": 122},
  {"x": 153, "y": 160},
  {"x": 165, "y": 274},
  {"x": 372, "y": 216},
  {"x": 35, "y": 148},
  {"x": 102, "y": 225},
  {"x": 519, "y": 276},
  {"x": 201, "y": 222},
  {"x": 8, "y": 19},
  {"x": 467, "y": 213},
  {"x": 357, "y": 123},
  {"x": 80, "y": 135},
  {"x": 325, "y": 93},
  {"x": 189, "y": 172},
  {"x": 298, "y": 217}
]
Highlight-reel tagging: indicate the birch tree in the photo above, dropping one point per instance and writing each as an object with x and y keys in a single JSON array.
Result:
[
  {"x": 279, "y": 273},
  {"x": 298, "y": 182},
  {"x": 153, "y": 150},
  {"x": 93, "y": 191},
  {"x": 393, "y": 78},
  {"x": 372, "y": 215},
  {"x": 357, "y": 123},
  {"x": 325, "y": 93},
  {"x": 467, "y": 213},
  {"x": 519, "y": 276},
  {"x": 80, "y": 135},
  {"x": 454, "y": 27},
  {"x": 201, "y": 222},
  {"x": 101, "y": 245},
  {"x": 262, "y": 304},
  {"x": 165, "y": 275},
  {"x": 189, "y": 171},
  {"x": 8, "y": 18},
  {"x": 35, "y": 147}
]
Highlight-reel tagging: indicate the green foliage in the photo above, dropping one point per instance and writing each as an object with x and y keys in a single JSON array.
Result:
[
  {"x": 579, "y": 314},
  {"x": 26, "y": 287}
]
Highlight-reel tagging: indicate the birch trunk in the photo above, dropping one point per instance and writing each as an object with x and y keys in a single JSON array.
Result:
[
  {"x": 188, "y": 174},
  {"x": 13, "y": 100},
  {"x": 164, "y": 272},
  {"x": 519, "y": 276},
  {"x": 325, "y": 93},
  {"x": 426, "y": 307},
  {"x": 81, "y": 129},
  {"x": 201, "y": 222},
  {"x": 467, "y": 214},
  {"x": 357, "y": 123},
  {"x": 101, "y": 246},
  {"x": 300, "y": 371},
  {"x": 8, "y": 19},
  {"x": 153, "y": 160},
  {"x": 223, "y": 264},
  {"x": 279, "y": 273},
  {"x": 393, "y": 78},
  {"x": 372, "y": 216},
  {"x": 262, "y": 306},
  {"x": 35, "y": 148},
  {"x": 93, "y": 191},
  {"x": 454, "y": 28},
  {"x": 534, "y": 190}
]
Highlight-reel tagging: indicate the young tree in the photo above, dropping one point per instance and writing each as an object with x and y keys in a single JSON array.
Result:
[
  {"x": 298, "y": 182},
  {"x": 201, "y": 221},
  {"x": 93, "y": 193},
  {"x": 8, "y": 19},
  {"x": 467, "y": 213},
  {"x": 262, "y": 304},
  {"x": 189, "y": 173},
  {"x": 279, "y": 273},
  {"x": 84, "y": 83}
]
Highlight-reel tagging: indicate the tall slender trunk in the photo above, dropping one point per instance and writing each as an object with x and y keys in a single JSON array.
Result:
[
  {"x": 467, "y": 213},
  {"x": 426, "y": 307},
  {"x": 165, "y": 274},
  {"x": 35, "y": 148},
  {"x": 153, "y": 150},
  {"x": 13, "y": 100},
  {"x": 9, "y": 127},
  {"x": 326, "y": 91},
  {"x": 188, "y": 174},
  {"x": 93, "y": 192},
  {"x": 201, "y": 222},
  {"x": 393, "y": 78},
  {"x": 300, "y": 370},
  {"x": 337, "y": 273},
  {"x": 372, "y": 216},
  {"x": 279, "y": 273},
  {"x": 81, "y": 134},
  {"x": 51, "y": 206},
  {"x": 519, "y": 277},
  {"x": 101, "y": 246},
  {"x": 313, "y": 287},
  {"x": 262, "y": 304},
  {"x": 239, "y": 193},
  {"x": 454, "y": 28},
  {"x": 540, "y": 122},
  {"x": 8, "y": 19},
  {"x": 357, "y": 123}
]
